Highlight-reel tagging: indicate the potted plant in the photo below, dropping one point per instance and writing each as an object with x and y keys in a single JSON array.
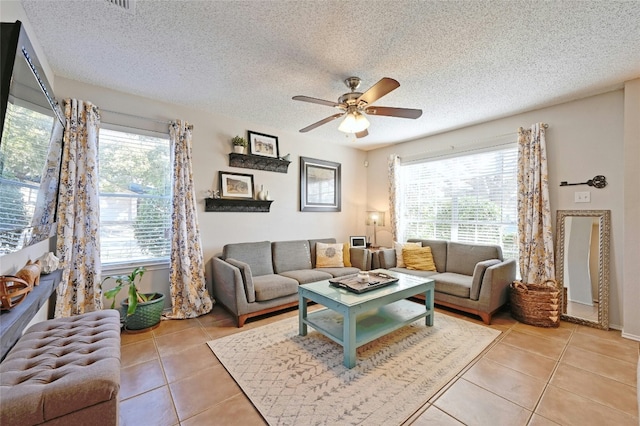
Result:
[
  {"x": 239, "y": 144},
  {"x": 143, "y": 310}
]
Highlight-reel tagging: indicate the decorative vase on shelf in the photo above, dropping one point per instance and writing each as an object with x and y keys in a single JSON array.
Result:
[
  {"x": 238, "y": 149},
  {"x": 267, "y": 196},
  {"x": 260, "y": 195}
]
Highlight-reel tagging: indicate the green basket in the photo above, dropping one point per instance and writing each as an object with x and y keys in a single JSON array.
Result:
[{"x": 147, "y": 314}]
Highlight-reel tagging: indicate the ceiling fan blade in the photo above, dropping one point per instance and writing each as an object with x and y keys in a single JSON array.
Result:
[
  {"x": 316, "y": 101},
  {"x": 394, "y": 112},
  {"x": 362, "y": 134},
  {"x": 320, "y": 123},
  {"x": 378, "y": 90}
]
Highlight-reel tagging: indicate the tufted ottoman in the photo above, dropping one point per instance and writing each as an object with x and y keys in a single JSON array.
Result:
[{"x": 64, "y": 371}]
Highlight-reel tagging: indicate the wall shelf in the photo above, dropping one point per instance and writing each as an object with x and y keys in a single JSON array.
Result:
[
  {"x": 258, "y": 162},
  {"x": 233, "y": 205}
]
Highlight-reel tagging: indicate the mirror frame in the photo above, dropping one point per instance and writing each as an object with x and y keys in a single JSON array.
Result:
[{"x": 604, "y": 219}]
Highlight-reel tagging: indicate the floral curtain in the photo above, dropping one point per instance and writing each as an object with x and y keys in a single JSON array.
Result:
[
  {"x": 189, "y": 295},
  {"x": 78, "y": 245},
  {"x": 394, "y": 187},
  {"x": 535, "y": 236}
]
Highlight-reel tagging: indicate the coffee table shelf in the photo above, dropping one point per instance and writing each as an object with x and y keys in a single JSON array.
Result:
[{"x": 369, "y": 325}]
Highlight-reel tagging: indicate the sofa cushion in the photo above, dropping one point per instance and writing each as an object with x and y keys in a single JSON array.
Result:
[
  {"x": 340, "y": 272},
  {"x": 291, "y": 255},
  {"x": 270, "y": 287},
  {"x": 418, "y": 258},
  {"x": 312, "y": 246},
  {"x": 478, "y": 275},
  {"x": 247, "y": 278},
  {"x": 424, "y": 274},
  {"x": 257, "y": 255},
  {"x": 438, "y": 250},
  {"x": 454, "y": 284},
  {"x": 462, "y": 258},
  {"x": 329, "y": 255},
  {"x": 304, "y": 276},
  {"x": 346, "y": 254},
  {"x": 398, "y": 248}
]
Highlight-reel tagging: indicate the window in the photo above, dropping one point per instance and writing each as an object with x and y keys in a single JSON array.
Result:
[
  {"x": 135, "y": 197},
  {"x": 470, "y": 198}
]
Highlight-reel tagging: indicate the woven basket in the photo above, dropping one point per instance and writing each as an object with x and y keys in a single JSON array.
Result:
[
  {"x": 13, "y": 291},
  {"x": 536, "y": 304},
  {"x": 147, "y": 314}
]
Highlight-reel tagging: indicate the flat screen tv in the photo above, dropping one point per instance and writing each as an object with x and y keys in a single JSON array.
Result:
[{"x": 30, "y": 144}]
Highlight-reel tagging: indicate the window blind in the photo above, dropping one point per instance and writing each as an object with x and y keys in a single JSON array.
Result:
[
  {"x": 135, "y": 197},
  {"x": 470, "y": 198}
]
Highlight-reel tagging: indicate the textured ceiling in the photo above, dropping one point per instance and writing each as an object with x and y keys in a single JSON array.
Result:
[{"x": 460, "y": 62}]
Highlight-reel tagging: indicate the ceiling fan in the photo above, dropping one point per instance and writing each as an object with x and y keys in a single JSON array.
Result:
[{"x": 354, "y": 105}]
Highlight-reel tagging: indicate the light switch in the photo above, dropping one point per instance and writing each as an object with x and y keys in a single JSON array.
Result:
[{"x": 582, "y": 197}]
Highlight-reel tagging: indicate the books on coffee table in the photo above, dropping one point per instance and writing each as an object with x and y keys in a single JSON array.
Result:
[{"x": 354, "y": 284}]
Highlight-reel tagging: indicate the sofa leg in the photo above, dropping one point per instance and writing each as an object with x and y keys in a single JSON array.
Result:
[
  {"x": 486, "y": 317},
  {"x": 241, "y": 320}
]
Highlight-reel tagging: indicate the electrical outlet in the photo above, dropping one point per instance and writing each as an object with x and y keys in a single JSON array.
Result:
[{"x": 582, "y": 197}]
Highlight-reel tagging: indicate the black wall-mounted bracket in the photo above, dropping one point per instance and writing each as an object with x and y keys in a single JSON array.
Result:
[{"x": 597, "y": 182}]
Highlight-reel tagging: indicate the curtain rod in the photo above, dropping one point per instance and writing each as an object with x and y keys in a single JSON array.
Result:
[{"x": 136, "y": 116}]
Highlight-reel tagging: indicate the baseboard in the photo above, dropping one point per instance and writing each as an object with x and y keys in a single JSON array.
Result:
[{"x": 631, "y": 336}]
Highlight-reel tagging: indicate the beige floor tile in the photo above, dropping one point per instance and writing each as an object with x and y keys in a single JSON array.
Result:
[
  {"x": 172, "y": 326},
  {"x": 141, "y": 378},
  {"x": 435, "y": 417},
  {"x": 569, "y": 409},
  {"x": 551, "y": 348},
  {"x": 151, "y": 408},
  {"x": 180, "y": 365},
  {"x": 128, "y": 337},
  {"x": 597, "y": 388},
  {"x": 512, "y": 385},
  {"x": 179, "y": 341},
  {"x": 236, "y": 410},
  {"x": 621, "y": 371},
  {"x": 526, "y": 362},
  {"x": 135, "y": 353},
  {"x": 198, "y": 393},
  {"x": 538, "y": 420},
  {"x": 562, "y": 333},
  {"x": 473, "y": 405},
  {"x": 608, "y": 347}
]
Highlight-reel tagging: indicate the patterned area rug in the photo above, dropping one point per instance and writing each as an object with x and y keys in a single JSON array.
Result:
[{"x": 296, "y": 380}]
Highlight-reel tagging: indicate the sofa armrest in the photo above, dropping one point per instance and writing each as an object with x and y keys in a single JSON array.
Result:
[
  {"x": 386, "y": 258},
  {"x": 478, "y": 276},
  {"x": 228, "y": 286},
  {"x": 495, "y": 285},
  {"x": 247, "y": 278},
  {"x": 360, "y": 258}
]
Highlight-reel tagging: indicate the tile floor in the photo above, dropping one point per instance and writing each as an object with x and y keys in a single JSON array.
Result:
[{"x": 571, "y": 375}]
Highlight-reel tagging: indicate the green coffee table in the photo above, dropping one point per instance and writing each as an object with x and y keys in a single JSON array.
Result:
[{"x": 352, "y": 320}]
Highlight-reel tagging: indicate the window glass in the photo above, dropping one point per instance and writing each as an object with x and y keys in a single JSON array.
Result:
[
  {"x": 135, "y": 197},
  {"x": 470, "y": 198}
]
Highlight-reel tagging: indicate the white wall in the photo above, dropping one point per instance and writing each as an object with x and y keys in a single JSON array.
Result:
[
  {"x": 211, "y": 145},
  {"x": 584, "y": 139}
]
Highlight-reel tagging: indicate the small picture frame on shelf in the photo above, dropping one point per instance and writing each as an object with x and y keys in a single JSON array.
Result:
[
  {"x": 236, "y": 186},
  {"x": 263, "y": 145},
  {"x": 359, "y": 242}
]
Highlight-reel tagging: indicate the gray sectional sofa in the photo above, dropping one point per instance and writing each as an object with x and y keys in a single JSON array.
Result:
[
  {"x": 470, "y": 277},
  {"x": 251, "y": 279}
]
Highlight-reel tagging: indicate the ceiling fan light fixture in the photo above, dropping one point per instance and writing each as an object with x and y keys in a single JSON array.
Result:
[{"x": 354, "y": 122}]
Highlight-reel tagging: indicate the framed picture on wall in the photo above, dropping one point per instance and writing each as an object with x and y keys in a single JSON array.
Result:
[
  {"x": 264, "y": 145},
  {"x": 358, "y": 242},
  {"x": 319, "y": 185},
  {"x": 236, "y": 185}
]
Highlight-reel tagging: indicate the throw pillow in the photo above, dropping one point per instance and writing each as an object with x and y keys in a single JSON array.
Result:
[
  {"x": 329, "y": 255},
  {"x": 418, "y": 258},
  {"x": 398, "y": 247},
  {"x": 346, "y": 255}
]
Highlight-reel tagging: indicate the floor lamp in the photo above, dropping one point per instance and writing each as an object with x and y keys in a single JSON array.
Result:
[{"x": 376, "y": 219}]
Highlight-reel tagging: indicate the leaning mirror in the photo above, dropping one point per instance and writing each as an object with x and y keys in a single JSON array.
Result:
[{"x": 582, "y": 265}]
